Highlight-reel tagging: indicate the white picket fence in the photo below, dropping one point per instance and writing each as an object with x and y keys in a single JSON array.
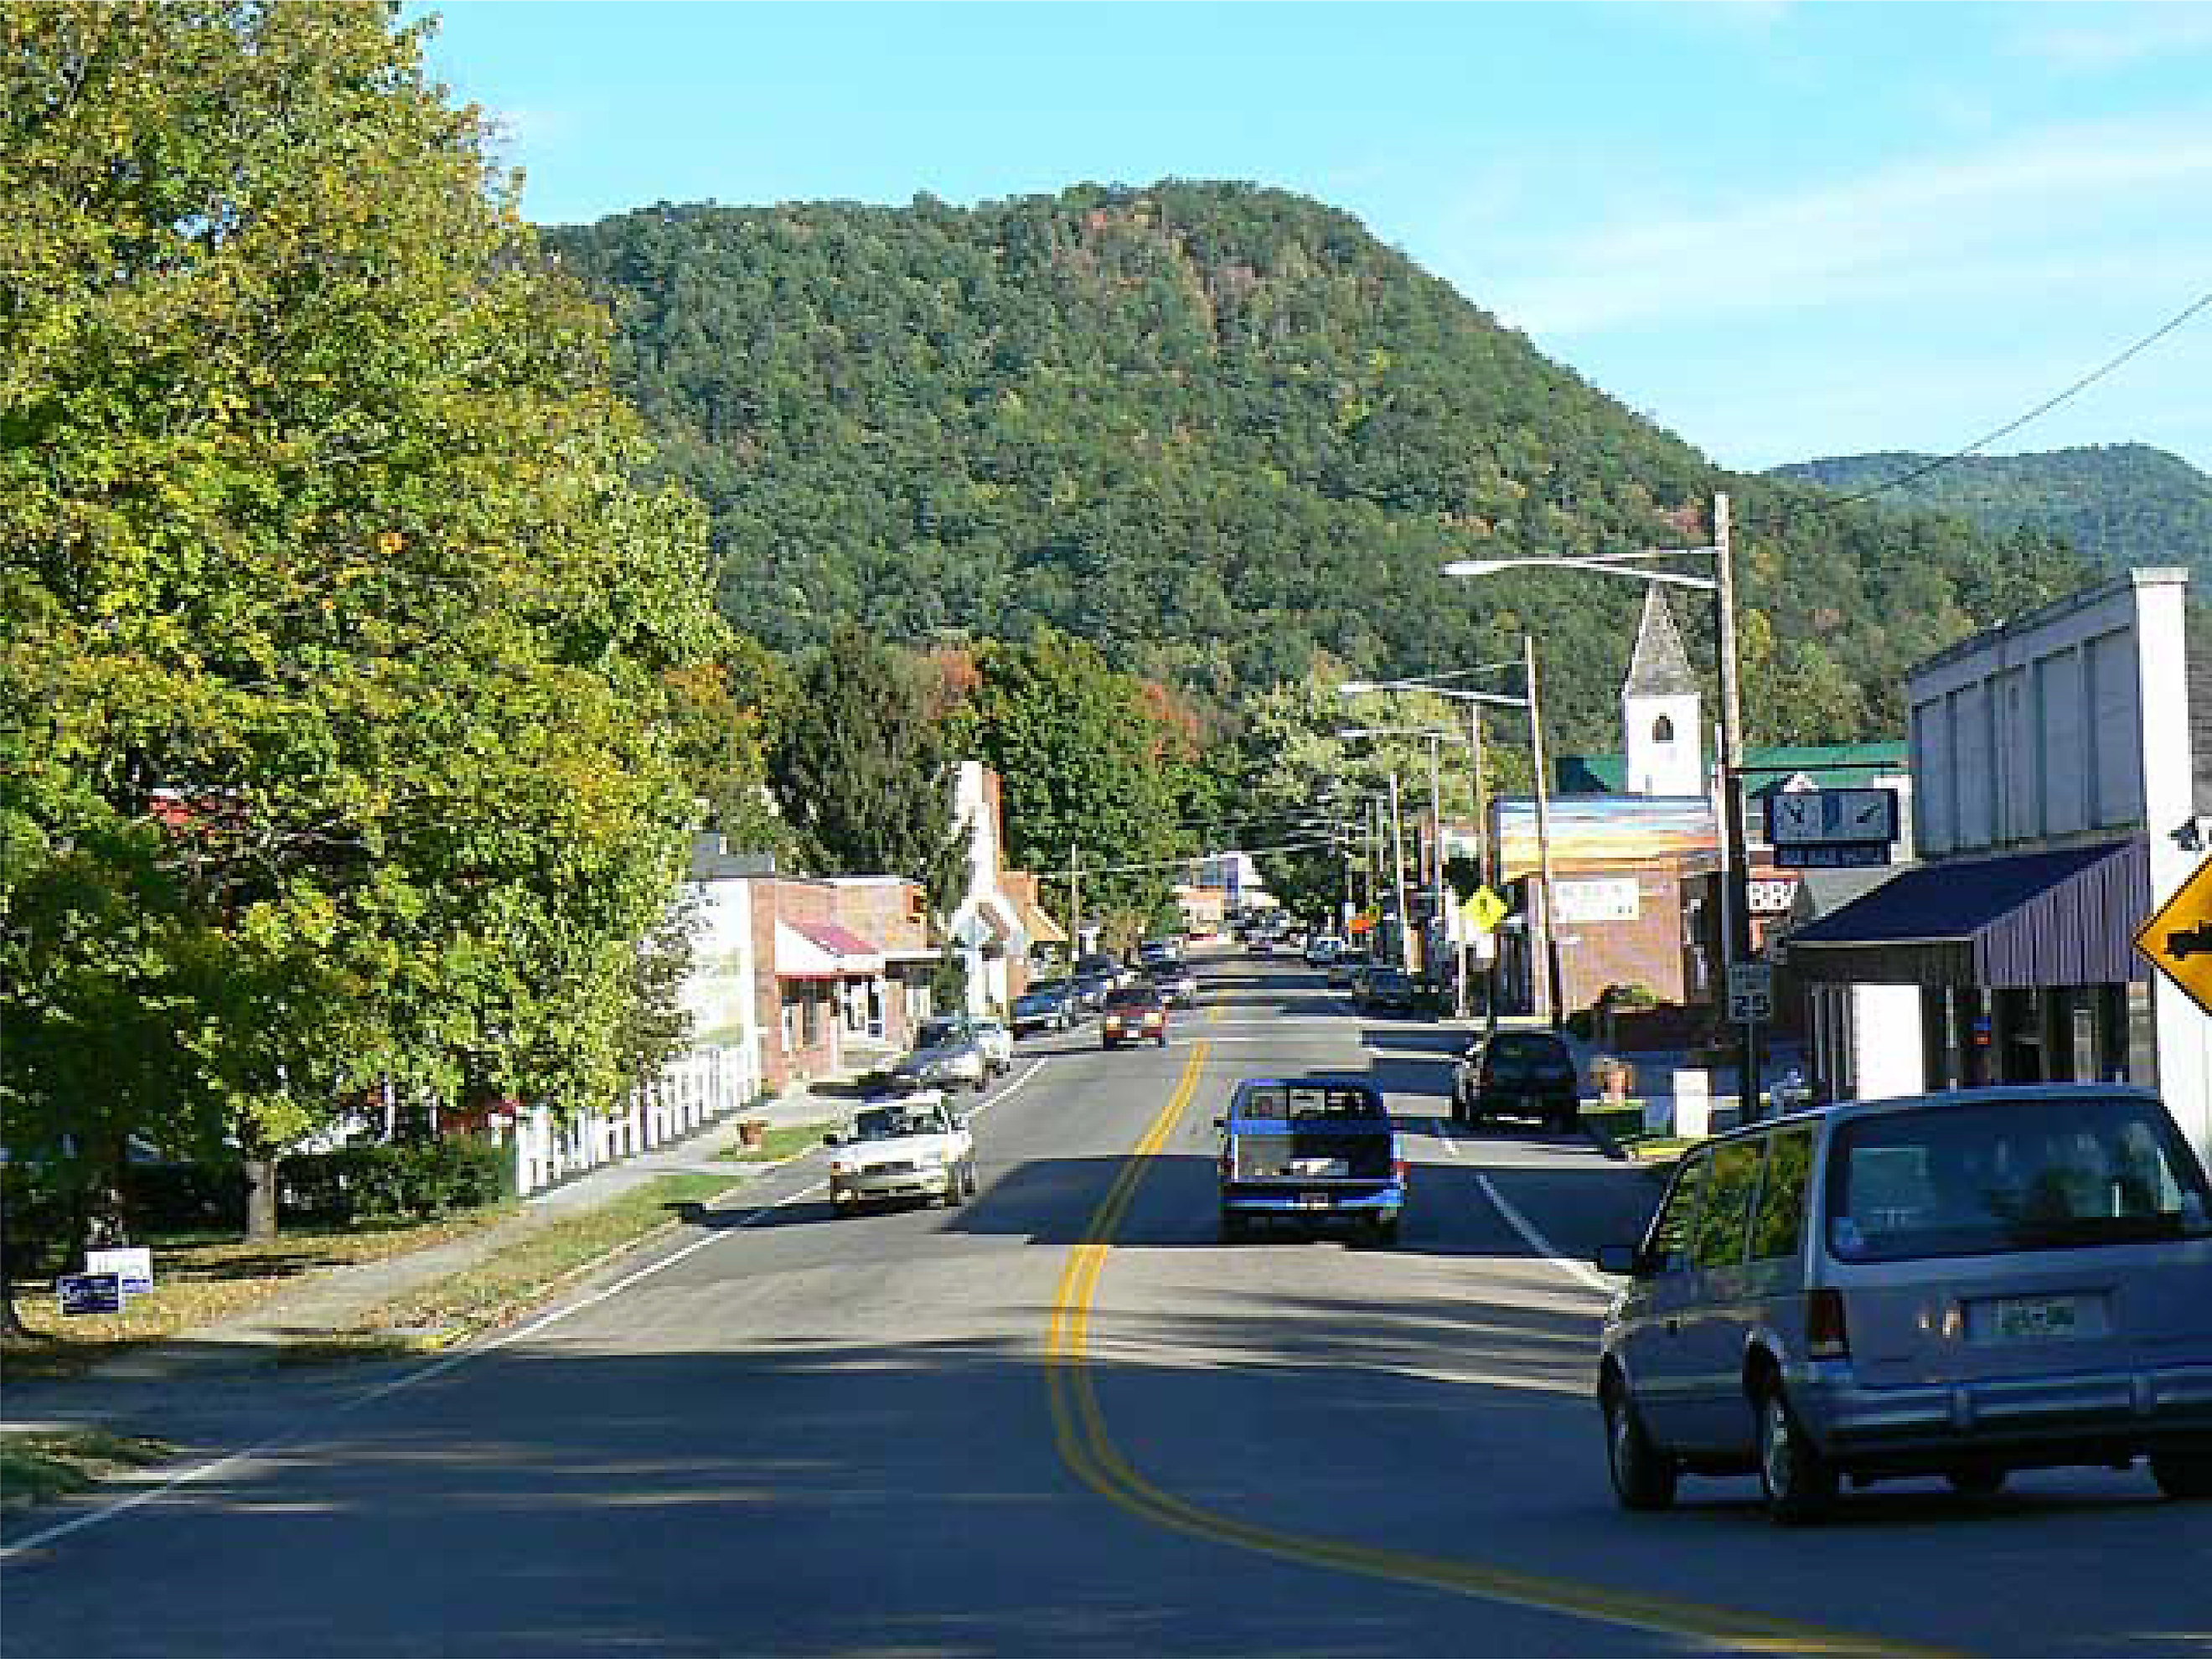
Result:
[{"x": 702, "y": 1085}]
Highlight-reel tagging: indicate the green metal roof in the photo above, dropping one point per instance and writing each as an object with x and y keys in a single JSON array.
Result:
[{"x": 1829, "y": 765}]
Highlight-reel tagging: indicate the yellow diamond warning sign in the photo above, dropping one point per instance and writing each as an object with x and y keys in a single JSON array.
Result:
[
  {"x": 1483, "y": 910},
  {"x": 2178, "y": 938}
]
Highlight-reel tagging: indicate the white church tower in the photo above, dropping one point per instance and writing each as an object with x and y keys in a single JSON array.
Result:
[{"x": 1664, "y": 731}]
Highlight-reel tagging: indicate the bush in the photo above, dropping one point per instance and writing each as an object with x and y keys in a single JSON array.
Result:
[
  {"x": 183, "y": 1198},
  {"x": 416, "y": 1179}
]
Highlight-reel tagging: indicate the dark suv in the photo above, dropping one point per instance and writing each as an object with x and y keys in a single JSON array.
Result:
[{"x": 1519, "y": 1073}]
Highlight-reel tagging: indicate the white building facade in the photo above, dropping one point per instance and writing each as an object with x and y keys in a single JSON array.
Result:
[{"x": 2055, "y": 795}]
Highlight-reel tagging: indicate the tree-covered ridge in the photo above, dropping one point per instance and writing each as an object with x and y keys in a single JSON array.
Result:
[
  {"x": 2122, "y": 505},
  {"x": 1219, "y": 431}
]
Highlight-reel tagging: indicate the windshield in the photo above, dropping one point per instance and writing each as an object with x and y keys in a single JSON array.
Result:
[
  {"x": 2010, "y": 1176},
  {"x": 892, "y": 1122},
  {"x": 1527, "y": 1056},
  {"x": 939, "y": 1030},
  {"x": 1131, "y": 1001},
  {"x": 1311, "y": 1102}
]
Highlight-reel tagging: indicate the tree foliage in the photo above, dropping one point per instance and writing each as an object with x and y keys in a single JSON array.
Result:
[
  {"x": 346, "y": 660},
  {"x": 1221, "y": 432}
]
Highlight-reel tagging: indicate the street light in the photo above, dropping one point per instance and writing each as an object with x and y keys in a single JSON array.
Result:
[
  {"x": 1737, "y": 890},
  {"x": 1436, "y": 741},
  {"x": 1428, "y": 683}
]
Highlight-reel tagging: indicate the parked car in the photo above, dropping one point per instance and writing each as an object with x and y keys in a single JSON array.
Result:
[
  {"x": 1135, "y": 1013},
  {"x": 1322, "y": 949},
  {"x": 1388, "y": 990},
  {"x": 1344, "y": 966},
  {"x": 1048, "y": 1005},
  {"x": 1177, "y": 982},
  {"x": 1959, "y": 1285},
  {"x": 996, "y": 1042},
  {"x": 913, "y": 1147},
  {"x": 1159, "y": 952},
  {"x": 957, "y": 1061},
  {"x": 1309, "y": 1153},
  {"x": 1112, "y": 970},
  {"x": 1515, "y": 1073},
  {"x": 1091, "y": 991}
]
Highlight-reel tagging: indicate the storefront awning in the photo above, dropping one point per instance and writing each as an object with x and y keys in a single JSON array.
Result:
[
  {"x": 854, "y": 954},
  {"x": 2016, "y": 921},
  {"x": 822, "y": 950},
  {"x": 798, "y": 957}
]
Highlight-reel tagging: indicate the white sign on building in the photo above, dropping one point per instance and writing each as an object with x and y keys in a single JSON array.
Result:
[{"x": 1609, "y": 898}]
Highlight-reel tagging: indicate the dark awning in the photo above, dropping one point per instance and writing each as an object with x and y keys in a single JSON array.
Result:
[{"x": 2015, "y": 922}]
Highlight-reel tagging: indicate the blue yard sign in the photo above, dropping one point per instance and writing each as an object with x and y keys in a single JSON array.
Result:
[{"x": 89, "y": 1293}]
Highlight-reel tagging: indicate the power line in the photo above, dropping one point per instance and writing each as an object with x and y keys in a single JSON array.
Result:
[{"x": 2176, "y": 321}]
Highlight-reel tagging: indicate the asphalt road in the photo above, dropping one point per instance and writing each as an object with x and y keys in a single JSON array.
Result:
[{"x": 1065, "y": 1420}]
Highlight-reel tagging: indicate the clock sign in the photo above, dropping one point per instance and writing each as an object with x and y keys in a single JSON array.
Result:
[{"x": 1817, "y": 827}]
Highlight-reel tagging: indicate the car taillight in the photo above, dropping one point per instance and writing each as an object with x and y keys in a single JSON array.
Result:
[
  {"x": 1398, "y": 1168},
  {"x": 1826, "y": 1337}
]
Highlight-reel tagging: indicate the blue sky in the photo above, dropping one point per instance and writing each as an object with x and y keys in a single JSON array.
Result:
[{"x": 1779, "y": 230}]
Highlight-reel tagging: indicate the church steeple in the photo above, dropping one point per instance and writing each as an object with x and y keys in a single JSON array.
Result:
[
  {"x": 1660, "y": 668},
  {"x": 1662, "y": 726}
]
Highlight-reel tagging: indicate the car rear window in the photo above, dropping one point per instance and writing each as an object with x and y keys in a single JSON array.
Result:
[
  {"x": 1310, "y": 1103},
  {"x": 2005, "y": 1175}
]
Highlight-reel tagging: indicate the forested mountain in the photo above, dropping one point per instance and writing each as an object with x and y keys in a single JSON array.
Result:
[
  {"x": 1221, "y": 431},
  {"x": 2122, "y": 505}
]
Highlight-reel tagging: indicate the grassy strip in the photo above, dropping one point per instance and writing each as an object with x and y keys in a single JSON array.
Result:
[
  {"x": 525, "y": 1272},
  {"x": 201, "y": 1280},
  {"x": 38, "y": 1465},
  {"x": 779, "y": 1144}
]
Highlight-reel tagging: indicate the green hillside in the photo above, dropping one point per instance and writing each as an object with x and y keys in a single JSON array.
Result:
[
  {"x": 2122, "y": 505},
  {"x": 1224, "y": 432}
]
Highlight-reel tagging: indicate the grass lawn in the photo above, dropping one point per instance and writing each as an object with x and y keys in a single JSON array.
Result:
[
  {"x": 204, "y": 1280},
  {"x": 201, "y": 1279},
  {"x": 37, "y": 1466},
  {"x": 528, "y": 1269},
  {"x": 779, "y": 1144}
]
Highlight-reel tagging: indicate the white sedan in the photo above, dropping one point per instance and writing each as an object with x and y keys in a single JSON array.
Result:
[{"x": 915, "y": 1146}]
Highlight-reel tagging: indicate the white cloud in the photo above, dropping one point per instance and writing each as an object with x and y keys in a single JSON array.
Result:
[
  {"x": 2031, "y": 211},
  {"x": 2120, "y": 36}
]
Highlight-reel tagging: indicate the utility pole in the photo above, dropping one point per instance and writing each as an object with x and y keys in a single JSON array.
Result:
[
  {"x": 1736, "y": 879},
  {"x": 1074, "y": 906},
  {"x": 1398, "y": 866},
  {"x": 1543, "y": 833}
]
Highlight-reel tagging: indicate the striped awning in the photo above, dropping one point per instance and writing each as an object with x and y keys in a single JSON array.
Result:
[{"x": 2018, "y": 921}]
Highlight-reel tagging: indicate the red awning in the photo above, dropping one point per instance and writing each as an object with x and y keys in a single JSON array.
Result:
[{"x": 854, "y": 954}]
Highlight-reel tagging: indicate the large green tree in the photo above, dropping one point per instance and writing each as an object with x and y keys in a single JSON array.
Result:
[
  {"x": 866, "y": 766},
  {"x": 1093, "y": 769},
  {"x": 344, "y": 652}
]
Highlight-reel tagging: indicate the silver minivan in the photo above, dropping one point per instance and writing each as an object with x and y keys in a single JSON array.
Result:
[{"x": 1959, "y": 1285}]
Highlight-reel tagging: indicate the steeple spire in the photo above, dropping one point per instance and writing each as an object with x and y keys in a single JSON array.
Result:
[{"x": 1660, "y": 667}]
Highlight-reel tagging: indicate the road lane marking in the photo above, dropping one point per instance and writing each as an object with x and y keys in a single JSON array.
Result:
[
  {"x": 432, "y": 1370},
  {"x": 1087, "y": 1448},
  {"x": 1532, "y": 1236}
]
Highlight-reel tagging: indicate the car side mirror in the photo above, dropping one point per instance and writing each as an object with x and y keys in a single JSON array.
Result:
[{"x": 1622, "y": 1259}]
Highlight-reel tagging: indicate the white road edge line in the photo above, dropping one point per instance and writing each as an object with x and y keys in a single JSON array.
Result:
[
  {"x": 435, "y": 1368},
  {"x": 1536, "y": 1241}
]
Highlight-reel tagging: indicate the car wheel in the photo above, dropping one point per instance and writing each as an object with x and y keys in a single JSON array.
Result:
[
  {"x": 2183, "y": 1475},
  {"x": 1977, "y": 1481},
  {"x": 956, "y": 1188},
  {"x": 1799, "y": 1483},
  {"x": 1644, "y": 1477}
]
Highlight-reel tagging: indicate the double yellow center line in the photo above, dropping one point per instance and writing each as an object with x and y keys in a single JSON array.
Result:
[{"x": 1087, "y": 1448}]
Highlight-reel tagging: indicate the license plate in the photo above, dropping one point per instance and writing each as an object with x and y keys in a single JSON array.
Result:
[
  {"x": 1313, "y": 1200},
  {"x": 2029, "y": 1317}
]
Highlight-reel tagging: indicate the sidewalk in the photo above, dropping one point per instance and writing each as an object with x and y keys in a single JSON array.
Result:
[{"x": 338, "y": 1299}]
